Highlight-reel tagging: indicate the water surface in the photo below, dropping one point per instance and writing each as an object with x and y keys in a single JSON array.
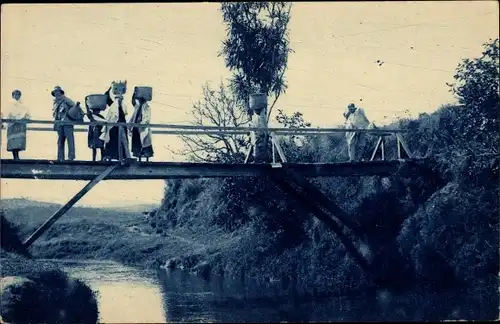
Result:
[{"x": 128, "y": 295}]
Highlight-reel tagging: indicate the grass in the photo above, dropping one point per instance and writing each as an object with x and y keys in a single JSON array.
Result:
[
  {"x": 105, "y": 234},
  {"x": 35, "y": 291}
]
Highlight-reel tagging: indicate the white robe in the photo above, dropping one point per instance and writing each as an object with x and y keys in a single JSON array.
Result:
[
  {"x": 356, "y": 120},
  {"x": 145, "y": 132},
  {"x": 18, "y": 110},
  {"x": 112, "y": 114}
]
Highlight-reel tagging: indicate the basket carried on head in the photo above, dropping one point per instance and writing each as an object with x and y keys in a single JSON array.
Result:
[
  {"x": 96, "y": 102},
  {"x": 119, "y": 87},
  {"x": 144, "y": 92}
]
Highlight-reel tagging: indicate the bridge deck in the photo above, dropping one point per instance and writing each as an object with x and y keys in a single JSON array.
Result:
[{"x": 84, "y": 170}]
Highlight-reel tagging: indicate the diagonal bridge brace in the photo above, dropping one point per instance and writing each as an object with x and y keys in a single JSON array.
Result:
[
  {"x": 58, "y": 214},
  {"x": 314, "y": 201}
]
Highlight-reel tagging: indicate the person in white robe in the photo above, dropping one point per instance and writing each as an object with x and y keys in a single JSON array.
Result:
[
  {"x": 16, "y": 132},
  {"x": 142, "y": 145},
  {"x": 355, "y": 119},
  {"x": 115, "y": 137}
]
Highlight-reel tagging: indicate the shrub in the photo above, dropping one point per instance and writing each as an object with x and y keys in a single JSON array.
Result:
[
  {"x": 49, "y": 297},
  {"x": 9, "y": 238}
]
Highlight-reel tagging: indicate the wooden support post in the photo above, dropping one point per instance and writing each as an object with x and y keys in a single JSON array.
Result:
[
  {"x": 273, "y": 145},
  {"x": 281, "y": 181},
  {"x": 276, "y": 143},
  {"x": 123, "y": 149},
  {"x": 120, "y": 148},
  {"x": 398, "y": 147},
  {"x": 249, "y": 152},
  {"x": 315, "y": 195},
  {"x": 376, "y": 148},
  {"x": 382, "y": 148},
  {"x": 402, "y": 143},
  {"x": 58, "y": 214},
  {"x": 258, "y": 103}
]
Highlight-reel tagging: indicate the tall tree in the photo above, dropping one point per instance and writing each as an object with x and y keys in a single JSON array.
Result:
[
  {"x": 218, "y": 108},
  {"x": 476, "y": 87},
  {"x": 256, "y": 48}
]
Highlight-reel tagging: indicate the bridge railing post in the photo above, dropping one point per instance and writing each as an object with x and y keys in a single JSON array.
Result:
[
  {"x": 275, "y": 142},
  {"x": 402, "y": 144}
]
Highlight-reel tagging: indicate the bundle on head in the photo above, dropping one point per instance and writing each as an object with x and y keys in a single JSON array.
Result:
[
  {"x": 119, "y": 87},
  {"x": 144, "y": 92},
  {"x": 96, "y": 102}
]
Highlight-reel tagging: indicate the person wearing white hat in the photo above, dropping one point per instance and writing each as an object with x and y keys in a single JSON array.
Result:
[{"x": 355, "y": 119}]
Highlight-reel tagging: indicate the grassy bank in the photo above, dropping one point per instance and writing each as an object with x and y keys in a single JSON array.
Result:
[
  {"x": 34, "y": 291},
  {"x": 101, "y": 234},
  {"x": 434, "y": 226}
]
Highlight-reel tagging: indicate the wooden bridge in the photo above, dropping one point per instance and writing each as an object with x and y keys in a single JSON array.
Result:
[{"x": 290, "y": 177}]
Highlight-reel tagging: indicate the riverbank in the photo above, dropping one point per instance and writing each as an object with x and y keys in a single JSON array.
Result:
[
  {"x": 106, "y": 234},
  {"x": 207, "y": 252}
]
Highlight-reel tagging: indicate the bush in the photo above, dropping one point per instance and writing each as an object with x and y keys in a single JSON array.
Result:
[
  {"x": 49, "y": 297},
  {"x": 9, "y": 238}
]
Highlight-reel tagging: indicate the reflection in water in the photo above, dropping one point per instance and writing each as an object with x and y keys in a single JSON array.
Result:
[
  {"x": 136, "y": 296},
  {"x": 126, "y": 295},
  {"x": 192, "y": 299}
]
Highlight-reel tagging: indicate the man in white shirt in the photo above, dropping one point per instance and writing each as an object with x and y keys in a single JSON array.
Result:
[{"x": 355, "y": 119}]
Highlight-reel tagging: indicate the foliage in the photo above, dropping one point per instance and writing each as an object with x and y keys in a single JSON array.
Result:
[
  {"x": 256, "y": 48},
  {"x": 10, "y": 240},
  {"x": 457, "y": 228},
  {"x": 296, "y": 120},
  {"x": 291, "y": 145},
  {"x": 415, "y": 224},
  {"x": 476, "y": 87},
  {"x": 49, "y": 297},
  {"x": 218, "y": 108}
]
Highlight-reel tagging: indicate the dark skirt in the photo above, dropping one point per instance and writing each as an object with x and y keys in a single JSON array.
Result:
[
  {"x": 111, "y": 148},
  {"x": 137, "y": 149},
  {"x": 16, "y": 137},
  {"x": 93, "y": 140}
]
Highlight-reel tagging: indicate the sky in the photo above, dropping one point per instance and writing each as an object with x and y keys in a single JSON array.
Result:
[{"x": 174, "y": 48}]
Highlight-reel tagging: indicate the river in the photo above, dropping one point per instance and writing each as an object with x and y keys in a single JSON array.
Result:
[{"x": 130, "y": 295}]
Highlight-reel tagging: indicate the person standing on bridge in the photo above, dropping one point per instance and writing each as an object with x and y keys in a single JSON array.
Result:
[
  {"x": 355, "y": 119},
  {"x": 142, "y": 145},
  {"x": 115, "y": 137},
  {"x": 93, "y": 140},
  {"x": 60, "y": 109},
  {"x": 16, "y": 132}
]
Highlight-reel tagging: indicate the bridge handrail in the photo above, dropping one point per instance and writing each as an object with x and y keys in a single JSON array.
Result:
[{"x": 204, "y": 129}]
